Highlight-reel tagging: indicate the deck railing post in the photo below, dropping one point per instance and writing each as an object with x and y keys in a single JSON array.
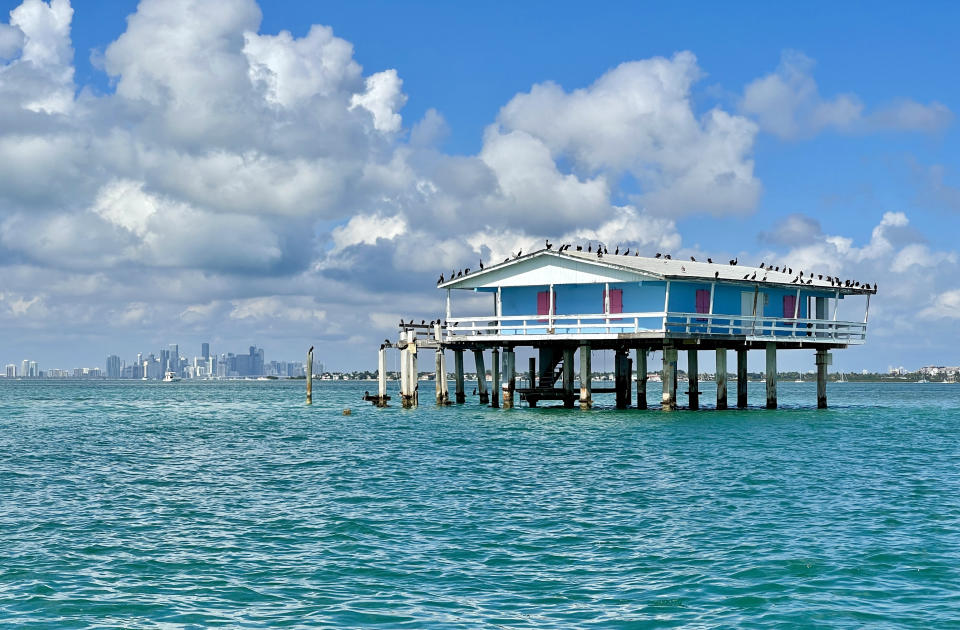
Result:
[
  {"x": 641, "y": 378},
  {"x": 586, "y": 401}
]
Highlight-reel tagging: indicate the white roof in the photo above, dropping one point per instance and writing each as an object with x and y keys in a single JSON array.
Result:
[{"x": 659, "y": 268}]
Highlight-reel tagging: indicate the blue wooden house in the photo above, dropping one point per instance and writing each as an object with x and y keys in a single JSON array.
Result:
[{"x": 562, "y": 301}]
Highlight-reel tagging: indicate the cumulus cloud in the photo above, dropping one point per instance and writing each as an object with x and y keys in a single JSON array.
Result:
[
  {"x": 788, "y": 104},
  {"x": 638, "y": 118}
]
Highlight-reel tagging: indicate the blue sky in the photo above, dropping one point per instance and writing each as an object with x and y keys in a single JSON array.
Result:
[{"x": 869, "y": 132}]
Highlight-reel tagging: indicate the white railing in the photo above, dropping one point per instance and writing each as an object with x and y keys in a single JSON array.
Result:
[{"x": 600, "y": 324}]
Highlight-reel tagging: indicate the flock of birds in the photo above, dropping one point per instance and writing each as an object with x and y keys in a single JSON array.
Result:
[{"x": 602, "y": 250}]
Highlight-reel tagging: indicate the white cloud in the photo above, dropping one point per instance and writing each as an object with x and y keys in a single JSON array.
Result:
[
  {"x": 41, "y": 78},
  {"x": 788, "y": 103},
  {"x": 638, "y": 118},
  {"x": 943, "y": 306},
  {"x": 367, "y": 229},
  {"x": 382, "y": 98}
]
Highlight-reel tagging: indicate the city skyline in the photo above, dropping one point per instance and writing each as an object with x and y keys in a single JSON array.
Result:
[{"x": 300, "y": 173}]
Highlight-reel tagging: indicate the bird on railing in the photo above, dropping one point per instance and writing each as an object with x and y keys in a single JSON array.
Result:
[{"x": 667, "y": 256}]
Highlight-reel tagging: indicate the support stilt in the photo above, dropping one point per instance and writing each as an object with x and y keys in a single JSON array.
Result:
[
  {"x": 721, "y": 376},
  {"x": 669, "y": 379},
  {"x": 310, "y": 376},
  {"x": 458, "y": 375},
  {"x": 532, "y": 377},
  {"x": 771, "y": 375},
  {"x": 509, "y": 377},
  {"x": 741, "y": 378},
  {"x": 495, "y": 373},
  {"x": 568, "y": 377},
  {"x": 641, "y": 378},
  {"x": 481, "y": 377},
  {"x": 586, "y": 401},
  {"x": 823, "y": 360},
  {"x": 693, "y": 379},
  {"x": 621, "y": 370},
  {"x": 382, "y": 377}
]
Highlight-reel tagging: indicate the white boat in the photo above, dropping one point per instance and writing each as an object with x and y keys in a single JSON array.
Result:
[{"x": 170, "y": 377}]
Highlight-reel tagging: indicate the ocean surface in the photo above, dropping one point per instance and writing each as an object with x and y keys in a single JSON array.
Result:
[{"x": 195, "y": 505}]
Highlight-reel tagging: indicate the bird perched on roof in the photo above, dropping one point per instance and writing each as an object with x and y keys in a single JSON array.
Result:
[
  {"x": 693, "y": 259},
  {"x": 716, "y": 274},
  {"x": 810, "y": 281},
  {"x": 746, "y": 276},
  {"x": 627, "y": 253},
  {"x": 820, "y": 276},
  {"x": 519, "y": 253},
  {"x": 440, "y": 281},
  {"x": 548, "y": 243},
  {"x": 599, "y": 254},
  {"x": 481, "y": 264},
  {"x": 667, "y": 256},
  {"x": 658, "y": 255},
  {"x": 735, "y": 261},
  {"x": 589, "y": 247},
  {"x": 710, "y": 260},
  {"x": 762, "y": 265},
  {"x": 579, "y": 248},
  {"x": 616, "y": 251},
  {"x": 459, "y": 274},
  {"x": 754, "y": 276}
]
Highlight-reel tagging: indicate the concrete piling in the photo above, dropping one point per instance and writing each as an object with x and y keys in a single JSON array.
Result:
[
  {"x": 823, "y": 360},
  {"x": 721, "y": 376},
  {"x": 481, "y": 377},
  {"x": 621, "y": 371},
  {"x": 568, "y": 377},
  {"x": 586, "y": 401},
  {"x": 495, "y": 387},
  {"x": 669, "y": 377},
  {"x": 459, "y": 394},
  {"x": 310, "y": 376},
  {"x": 771, "y": 376},
  {"x": 693, "y": 380},
  {"x": 641, "y": 378},
  {"x": 741, "y": 378},
  {"x": 509, "y": 377}
]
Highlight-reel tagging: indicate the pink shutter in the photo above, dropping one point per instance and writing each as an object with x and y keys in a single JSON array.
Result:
[
  {"x": 789, "y": 306},
  {"x": 543, "y": 302},
  {"x": 703, "y": 301},
  {"x": 616, "y": 300}
]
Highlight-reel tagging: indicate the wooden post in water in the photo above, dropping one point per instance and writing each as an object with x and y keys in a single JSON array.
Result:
[
  {"x": 404, "y": 371},
  {"x": 693, "y": 379},
  {"x": 568, "y": 377},
  {"x": 532, "y": 377},
  {"x": 721, "y": 377},
  {"x": 461, "y": 397},
  {"x": 414, "y": 373},
  {"x": 823, "y": 360},
  {"x": 310, "y": 376},
  {"x": 586, "y": 401},
  {"x": 495, "y": 374},
  {"x": 509, "y": 377},
  {"x": 771, "y": 375},
  {"x": 669, "y": 377},
  {"x": 481, "y": 376},
  {"x": 382, "y": 377},
  {"x": 439, "y": 375},
  {"x": 641, "y": 378},
  {"x": 621, "y": 370},
  {"x": 741, "y": 378}
]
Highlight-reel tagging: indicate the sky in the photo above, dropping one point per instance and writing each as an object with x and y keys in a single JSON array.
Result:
[{"x": 292, "y": 174}]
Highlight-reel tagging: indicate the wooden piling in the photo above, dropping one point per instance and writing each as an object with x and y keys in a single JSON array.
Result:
[
  {"x": 693, "y": 380},
  {"x": 621, "y": 370},
  {"x": 568, "y": 377},
  {"x": 310, "y": 376},
  {"x": 721, "y": 377},
  {"x": 823, "y": 360},
  {"x": 641, "y": 378},
  {"x": 586, "y": 401},
  {"x": 460, "y": 395},
  {"x": 669, "y": 377},
  {"x": 495, "y": 383},
  {"x": 532, "y": 378},
  {"x": 771, "y": 376},
  {"x": 382, "y": 377},
  {"x": 741, "y": 378},
  {"x": 481, "y": 376},
  {"x": 509, "y": 377}
]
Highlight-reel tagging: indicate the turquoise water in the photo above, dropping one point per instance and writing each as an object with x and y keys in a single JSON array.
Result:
[{"x": 193, "y": 505}]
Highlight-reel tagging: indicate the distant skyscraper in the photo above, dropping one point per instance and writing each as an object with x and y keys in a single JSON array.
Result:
[
  {"x": 113, "y": 366},
  {"x": 205, "y": 350},
  {"x": 174, "y": 358},
  {"x": 25, "y": 368},
  {"x": 34, "y": 369},
  {"x": 11, "y": 371}
]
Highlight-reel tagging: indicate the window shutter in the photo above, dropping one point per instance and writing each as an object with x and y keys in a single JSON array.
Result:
[
  {"x": 616, "y": 300},
  {"x": 543, "y": 302},
  {"x": 703, "y": 301},
  {"x": 789, "y": 306}
]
